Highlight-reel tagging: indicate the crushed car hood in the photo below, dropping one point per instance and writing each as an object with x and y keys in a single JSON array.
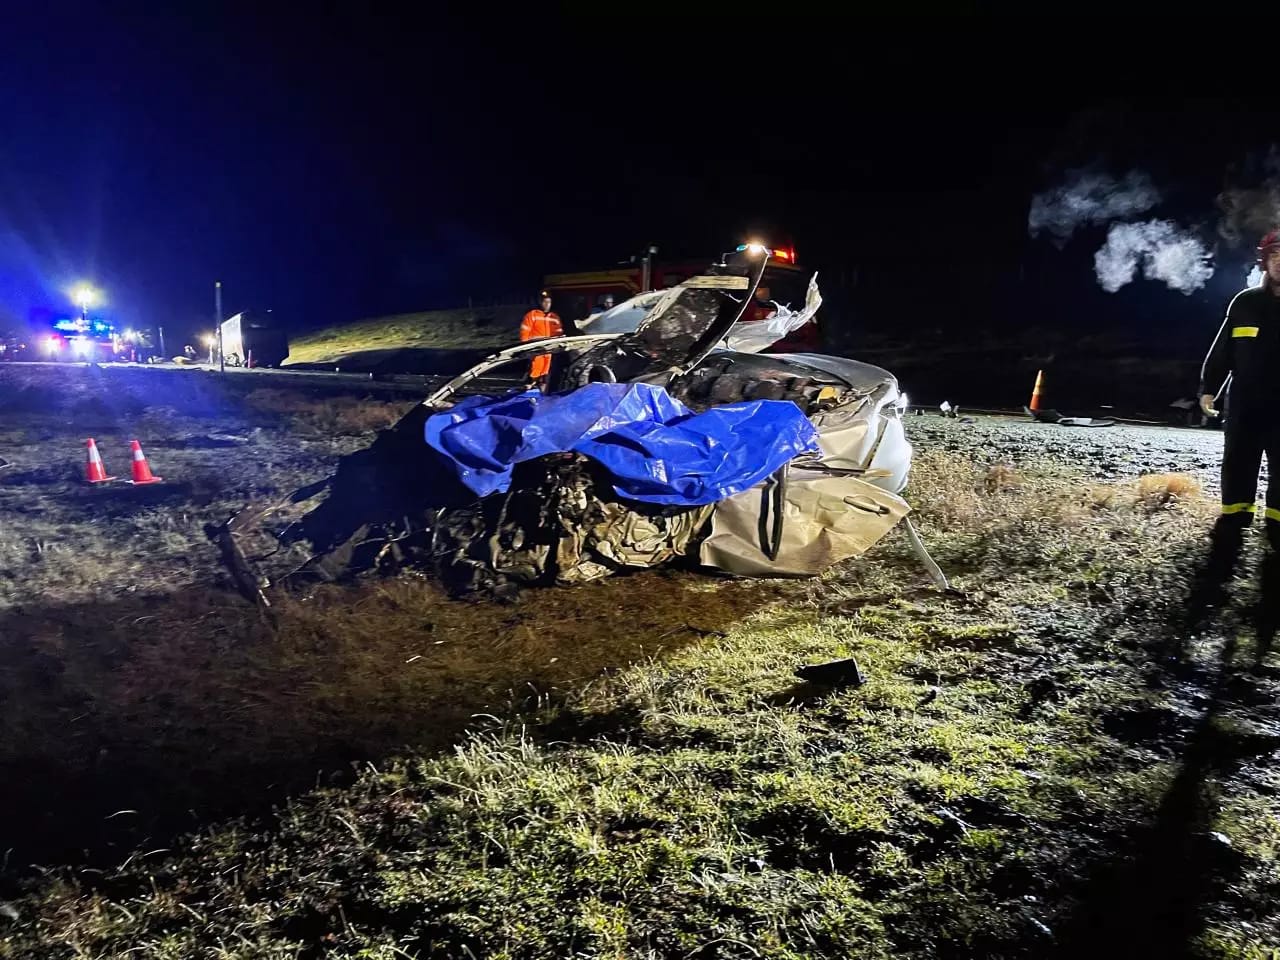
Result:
[
  {"x": 677, "y": 330},
  {"x": 630, "y": 316}
]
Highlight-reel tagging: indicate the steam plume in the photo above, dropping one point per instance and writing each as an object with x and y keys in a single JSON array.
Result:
[
  {"x": 1162, "y": 249},
  {"x": 1090, "y": 199}
]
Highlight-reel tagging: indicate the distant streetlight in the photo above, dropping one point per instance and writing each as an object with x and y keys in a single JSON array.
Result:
[{"x": 85, "y": 296}]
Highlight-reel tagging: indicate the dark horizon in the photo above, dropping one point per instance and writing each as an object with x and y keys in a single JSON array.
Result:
[{"x": 346, "y": 167}]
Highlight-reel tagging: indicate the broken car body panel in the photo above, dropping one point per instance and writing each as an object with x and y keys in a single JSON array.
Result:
[{"x": 821, "y": 520}]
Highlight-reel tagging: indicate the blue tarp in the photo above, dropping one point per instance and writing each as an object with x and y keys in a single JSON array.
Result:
[{"x": 656, "y": 449}]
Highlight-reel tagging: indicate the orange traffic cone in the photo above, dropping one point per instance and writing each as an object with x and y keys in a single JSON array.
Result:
[
  {"x": 94, "y": 471},
  {"x": 141, "y": 472},
  {"x": 1036, "y": 391}
]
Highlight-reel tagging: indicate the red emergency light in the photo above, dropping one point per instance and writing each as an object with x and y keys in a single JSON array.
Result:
[{"x": 787, "y": 255}]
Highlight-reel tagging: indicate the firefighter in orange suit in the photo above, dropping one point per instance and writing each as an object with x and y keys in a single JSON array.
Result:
[{"x": 537, "y": 324}]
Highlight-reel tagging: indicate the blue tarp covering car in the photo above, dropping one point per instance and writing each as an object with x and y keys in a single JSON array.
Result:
[{"x": 656, "y": 449}]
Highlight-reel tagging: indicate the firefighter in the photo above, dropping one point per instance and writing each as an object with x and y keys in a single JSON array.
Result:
[
  {"x": 592, "y": 314},
  {"x": 1247, "y": 349},
  {"x": 605, "y": 304},
  {"x": 537, "y": 324}
]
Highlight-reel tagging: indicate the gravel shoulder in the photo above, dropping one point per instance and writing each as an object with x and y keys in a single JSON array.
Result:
[{"x": 1097, "y": 453}]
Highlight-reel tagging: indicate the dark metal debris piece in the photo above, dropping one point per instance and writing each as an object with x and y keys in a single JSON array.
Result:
[
  {"x": 836, "y": 673},
  {"x": 234, "y": 557},
  {"x": 1086, "y": 422},
  {"x": 1053, "y": 416}
]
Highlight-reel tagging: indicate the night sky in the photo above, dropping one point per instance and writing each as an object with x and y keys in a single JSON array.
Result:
[{"x": 345, "y": 164}]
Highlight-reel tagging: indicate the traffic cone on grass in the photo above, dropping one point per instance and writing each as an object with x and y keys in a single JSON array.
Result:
[
  {"x": 1036, "y": 391},
  {"x": 141, "y": 472},
  {"x": 94, "y": 471}
]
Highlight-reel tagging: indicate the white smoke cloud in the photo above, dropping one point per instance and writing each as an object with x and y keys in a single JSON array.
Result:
[
  {"x": 1161, "y": 248},
  {"x": 1090, "y": 199}
]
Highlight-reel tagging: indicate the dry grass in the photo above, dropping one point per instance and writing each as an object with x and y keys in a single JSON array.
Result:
[
  {"x": 434, "y": 330},
  {"x": 63, "y": 541},
  {"x": 958, "y": 496},
  {"x": 328, "y": 416},
  {"x": 1160, "y": 490},
  {"x": 999, "y": 478}
]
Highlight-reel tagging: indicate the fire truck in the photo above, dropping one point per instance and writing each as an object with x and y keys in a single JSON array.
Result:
[
  {"x": 576, "y": 295},
  {"x": 83, "y": 338}
]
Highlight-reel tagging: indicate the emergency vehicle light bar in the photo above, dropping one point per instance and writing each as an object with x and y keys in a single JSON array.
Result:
[{"x": 787, "y": 256}]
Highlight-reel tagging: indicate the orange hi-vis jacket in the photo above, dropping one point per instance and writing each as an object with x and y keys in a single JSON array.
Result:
[{"x": 537, "y": 324}]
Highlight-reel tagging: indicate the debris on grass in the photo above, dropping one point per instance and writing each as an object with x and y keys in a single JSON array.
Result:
[{"x": 836, "y": 673}]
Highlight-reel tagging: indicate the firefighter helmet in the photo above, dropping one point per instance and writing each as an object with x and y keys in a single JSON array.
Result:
[{"x": 1272, "y": 239}]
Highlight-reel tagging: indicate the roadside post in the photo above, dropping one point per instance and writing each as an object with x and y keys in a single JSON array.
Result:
[{"x": 217, "y": 319}]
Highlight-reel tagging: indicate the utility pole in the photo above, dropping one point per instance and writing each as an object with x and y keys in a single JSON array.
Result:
[{"x": 217, "y": 319}]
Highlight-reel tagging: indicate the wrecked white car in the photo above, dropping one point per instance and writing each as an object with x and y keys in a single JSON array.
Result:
[{"x": 655, "y": 443}]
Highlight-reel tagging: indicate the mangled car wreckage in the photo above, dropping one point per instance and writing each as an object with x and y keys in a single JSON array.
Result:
[{"x": 663, "y": 436}]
